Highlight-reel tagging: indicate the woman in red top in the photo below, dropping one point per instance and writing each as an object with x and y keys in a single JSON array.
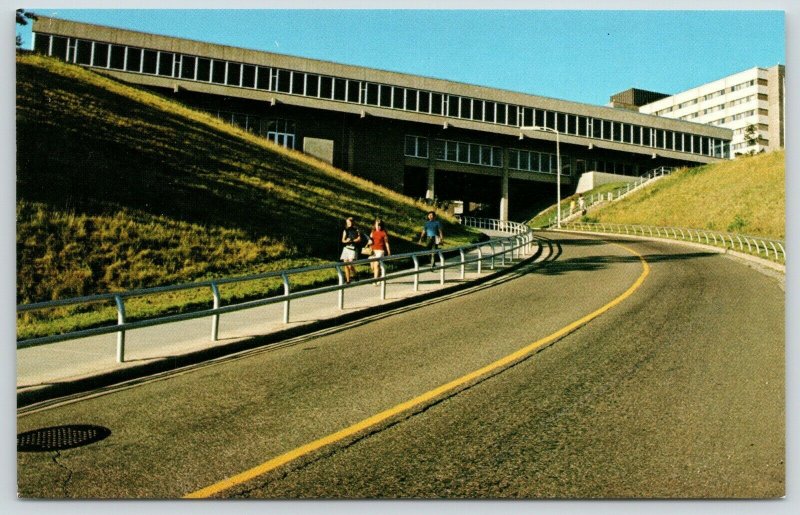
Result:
[{"x": 380, "y": 246}]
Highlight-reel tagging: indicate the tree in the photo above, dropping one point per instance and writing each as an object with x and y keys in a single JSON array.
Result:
[
  {"x": 751, "y": 137},
  {"x": 22, "y": 19}
]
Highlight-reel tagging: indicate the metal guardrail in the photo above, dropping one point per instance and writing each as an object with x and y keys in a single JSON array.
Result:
[
  {"x": 616, "y": 194},
  {"x": 774, "y": 250},
  {"x": 509, "y": 247}
]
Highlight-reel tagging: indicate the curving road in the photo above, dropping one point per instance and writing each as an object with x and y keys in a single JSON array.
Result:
[{"x": 642, "y": 369}]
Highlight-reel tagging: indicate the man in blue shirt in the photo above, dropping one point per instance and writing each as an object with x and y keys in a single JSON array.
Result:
[{"x": 432, "y": 230}]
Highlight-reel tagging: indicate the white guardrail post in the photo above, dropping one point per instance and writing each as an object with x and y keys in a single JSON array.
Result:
[
  {"x": 120, "y": 334},
  {"x": 215, "y": 318},
  {"x": 340, "y": 277},
  {"x": 286, "y": 292}
]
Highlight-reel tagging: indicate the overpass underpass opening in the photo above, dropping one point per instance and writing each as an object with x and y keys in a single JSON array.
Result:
[
  {"x": 527, "y": 198},
  {"x": 483, "y": 190}
]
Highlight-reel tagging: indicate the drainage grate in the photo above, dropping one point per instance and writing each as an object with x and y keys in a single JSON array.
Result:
[{"x": 60, "y": 437}]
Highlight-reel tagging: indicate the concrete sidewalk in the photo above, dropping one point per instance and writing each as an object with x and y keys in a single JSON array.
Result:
[{"x": 57, "y": 369}]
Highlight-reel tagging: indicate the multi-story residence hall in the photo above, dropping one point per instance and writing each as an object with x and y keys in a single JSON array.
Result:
[
  {"x": 421, "y": 136},
  {"x": 752, "y": 99}
]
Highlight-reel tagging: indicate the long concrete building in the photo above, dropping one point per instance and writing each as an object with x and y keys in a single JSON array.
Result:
[{"x": 422, "y": 136}]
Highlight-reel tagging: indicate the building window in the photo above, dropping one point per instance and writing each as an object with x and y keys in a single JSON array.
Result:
[
  {"x": 417, "y": 146},
  {"x": 166, "y": 61},
  {"x": 117, "y": 59},
  {"x": 188, "y": 67},
  {"x": 100, "y": 55},
  {"x": 489, "y": 112},
  {"x": 248, "y": 76},
  {"x": 234, "y": 77},
  {"x": 385, "y": 96},
  {"x": 354, "y": 91},
  {"x": 399, "y": 98},
  {"x": 424, "y": 105},
  {"x": 312, "y": 85},
  {"x": 339, "y": 89},
  {"x": 513, "y": 115},
  {"x": 326, "y": 87},
  {"x": 149, "y": 62},
  {"x": 281, "y": 132},
  {"x": 84, "y": 52},
  {"x": 282, "y": 82},
  {"x": 437, "y": 103},
  {"x": 469, "y": 153},
  {"x": 452, "y": 105},
  {"x": 203, "y": 69},
  {"x": 371, "y": 97},
  {"x": 616, "y": 131},
  {"x": 477, "y": 110},
  {"x": 561, "y": 123},
  {"x": 298, "y": 83}
]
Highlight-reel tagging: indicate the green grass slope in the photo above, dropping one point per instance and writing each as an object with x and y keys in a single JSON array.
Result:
[
  {"x": 746, "y": 196},
  {"x": 119, "y": 188}
]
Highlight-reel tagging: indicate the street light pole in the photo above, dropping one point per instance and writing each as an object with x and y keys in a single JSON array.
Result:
[{"x": 558, "y": 165}]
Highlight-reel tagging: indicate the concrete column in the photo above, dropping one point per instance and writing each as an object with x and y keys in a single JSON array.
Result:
[
  {"x": 430, "y": 193},
  {"x": 351, "y": 150},
  {"x": 504, "y": 188}
]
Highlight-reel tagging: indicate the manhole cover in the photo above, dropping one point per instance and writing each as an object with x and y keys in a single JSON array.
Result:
[{"x": 60, "y": 437}]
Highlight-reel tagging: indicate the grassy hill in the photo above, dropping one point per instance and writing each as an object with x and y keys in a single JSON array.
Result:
[
  {"x": 119, "y": 188},
  {"x": 746, "y": 196}
]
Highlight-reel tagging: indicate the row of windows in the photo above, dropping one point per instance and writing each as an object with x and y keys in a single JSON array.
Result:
[
  {"x": 282, "y": 132},
  {"x": 469, "y": 153},
  {"x": 720, "y": 107},
  {"x": 518, "y": 159},
  {"x": 759, "y": 142},
  {"x": 761, "y": 127},
  {"x": 709, "y": 96},
  {"x": 739, "y": 116},
  {"x": 536, "y": 161},
  {"x": 455, "y": 151},
  {"x": 242, "y": 75},
  {"x": 484, "y": 155}
]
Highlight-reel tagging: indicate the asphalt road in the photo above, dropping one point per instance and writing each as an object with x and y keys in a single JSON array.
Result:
[{"x": 674, "y": 388}]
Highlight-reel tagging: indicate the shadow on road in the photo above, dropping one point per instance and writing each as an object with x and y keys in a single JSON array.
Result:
[{"x": 598, "y": 262}]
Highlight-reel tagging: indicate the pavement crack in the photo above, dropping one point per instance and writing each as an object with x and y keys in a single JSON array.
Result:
[{"x": 68, "y": 479}]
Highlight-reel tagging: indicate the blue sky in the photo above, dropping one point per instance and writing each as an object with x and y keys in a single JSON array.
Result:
[{"x": 578, "y": 55}]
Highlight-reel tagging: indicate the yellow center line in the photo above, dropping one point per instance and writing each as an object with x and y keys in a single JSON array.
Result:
[{"x": 418, "y": 401}]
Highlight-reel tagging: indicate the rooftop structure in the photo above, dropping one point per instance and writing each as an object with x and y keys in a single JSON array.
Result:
[{"x": 634, "y": 98}]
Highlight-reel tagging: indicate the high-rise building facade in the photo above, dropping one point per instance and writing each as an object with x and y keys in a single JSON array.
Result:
[{"x": 751, "y": 103}]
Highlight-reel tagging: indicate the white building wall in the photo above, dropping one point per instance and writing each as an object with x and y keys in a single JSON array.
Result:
[{"x": 734, "y": 102}]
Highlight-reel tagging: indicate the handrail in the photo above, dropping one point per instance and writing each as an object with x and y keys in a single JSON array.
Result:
[
  {"x": 617, "y": 194},
  {"x": 771, "y": 249},
  {"x": 519, "y": 242}
]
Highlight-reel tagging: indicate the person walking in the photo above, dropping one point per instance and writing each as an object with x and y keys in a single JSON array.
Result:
[
  {"x": 380, "y": 247},
  {"x": 432, "y": 230},
  {"x": 581, "y": 204},
  {"x": 351, "y": 237}
]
